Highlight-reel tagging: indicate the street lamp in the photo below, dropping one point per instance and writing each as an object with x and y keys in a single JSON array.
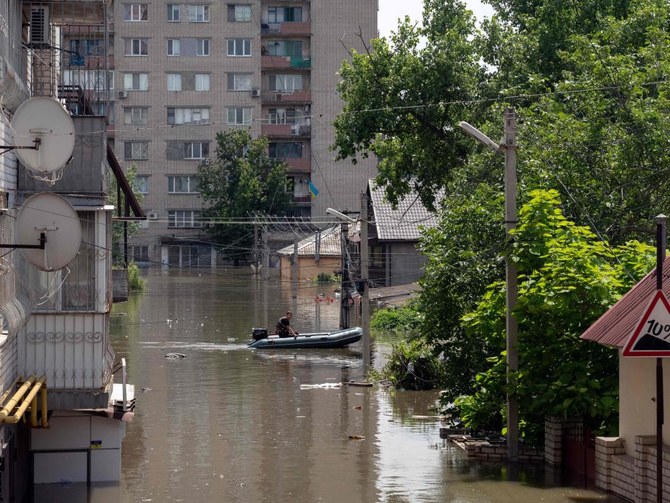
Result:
[{"x": 508, "y": 148}]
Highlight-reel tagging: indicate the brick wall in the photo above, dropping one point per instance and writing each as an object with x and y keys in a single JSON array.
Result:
[{"x": 631, "y": 477}]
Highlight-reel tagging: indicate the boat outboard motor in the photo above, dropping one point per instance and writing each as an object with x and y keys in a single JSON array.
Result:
[{"x": 259, "y": 333}]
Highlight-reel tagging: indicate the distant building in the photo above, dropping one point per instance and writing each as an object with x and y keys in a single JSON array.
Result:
[
  {"x": 320, "y": 253},
  {"x": 184, "y": 72},
  {"x": 394, "y": 234}
]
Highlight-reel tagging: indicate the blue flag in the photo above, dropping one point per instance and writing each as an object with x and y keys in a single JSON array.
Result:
[{"x": 312, "y": 189}]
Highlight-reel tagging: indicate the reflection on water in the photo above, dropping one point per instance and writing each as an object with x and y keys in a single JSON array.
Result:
[{"x": 227, "y": 423}]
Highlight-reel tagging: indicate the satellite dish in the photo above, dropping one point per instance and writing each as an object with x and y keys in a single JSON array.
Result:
[
  {"x": 49, "y": 214},
  {"x": 43, "y": 134}
]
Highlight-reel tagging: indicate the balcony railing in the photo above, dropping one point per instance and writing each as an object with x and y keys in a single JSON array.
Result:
[
  {"x": 299, "y": 165},
  {"x": 285, "y": 130},
  {"x": 270, "y": 62},
  {"x": 302, "y": 96},
  {"x": 286, "y": 28},
  {"x": 72, "y": 351}
]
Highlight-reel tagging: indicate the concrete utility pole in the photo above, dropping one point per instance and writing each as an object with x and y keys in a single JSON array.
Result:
[
  {"x": 511, "y": 285},
  {"x": 508, "y": 148},
  {"x": 365, "y": 294}
]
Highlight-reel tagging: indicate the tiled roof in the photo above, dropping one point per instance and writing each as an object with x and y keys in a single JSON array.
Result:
[
  {"x": 615, "y": 326},
  {"x": 330, "y": 245},
  {"x": 402, "y": 223}
]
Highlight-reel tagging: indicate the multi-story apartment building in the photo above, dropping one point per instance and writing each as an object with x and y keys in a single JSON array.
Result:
[
  {"x": 185, "y": 71},
  {"x": 54, "y": 321}
]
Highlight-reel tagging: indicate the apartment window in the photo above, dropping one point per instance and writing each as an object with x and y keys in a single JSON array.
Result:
[
  {"x": 136, "y": 150},
  {"x": 137, "y": 116},
  {"x": 196, "y": 150},
  {"x": 176, "y": 116},
  {"x": 202, "y": 46},
  {"x": 87, "y": 46},
  {"x": 239, "y": 13},
  {"x": 136, "y": 46},
  {"x": 284, "y": 14},
  {"x": 239, "y": 116},
  {"x": 141, "y": 184},
  {"x": 239, "y": 81},
  {"x": 174, "y": 82},
  {"x": 282, "y": 115},
  {"x": 78, "y": 287},
  {"x": 173, "y": 47},
  {"x": 173, "y": 12},
  {"x": 286, "y": 83},
  {"x": 285, "y": 150},
  {"x": 284, "y": 47},
  {"x": 184, "y": 218},
  {"x": 139, "y": 253},
  {"x": 239, "y": 47},
  {"x": 136, "y": 81},
  {"x": 198, "y": 13},
  {"x": 183, "y": 184},
  {"x": 202, "y": 81},
  {"x": 135, "y": 12}
]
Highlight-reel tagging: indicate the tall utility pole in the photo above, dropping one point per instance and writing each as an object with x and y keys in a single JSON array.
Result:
[
  {"x": 508, "y": 148},
  {"x": 511, "y": 285},
  {"x": 365, "y": 294}
]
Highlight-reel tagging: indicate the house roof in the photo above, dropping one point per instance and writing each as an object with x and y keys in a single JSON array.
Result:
[
  {"x": 402, "y": 223},
  {"x": 615, "y": 326},
  {"x": 329, "y": 246}
]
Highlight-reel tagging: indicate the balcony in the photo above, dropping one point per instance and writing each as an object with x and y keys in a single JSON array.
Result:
[
  {"x": 86, "y": 172},
  {"x": 302, "y": 200},
  {"x": 285, "y": 130},
  {"x": 285, "y": 62},
  {"x": 73, "y": 353},
  {"x": 287, "y": 28},
  {"x": 298, "y": 97},
  {"x": 301, "y": 165}
]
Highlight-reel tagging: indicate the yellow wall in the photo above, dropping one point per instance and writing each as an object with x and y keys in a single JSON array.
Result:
[{"x": 308, "y": 268}]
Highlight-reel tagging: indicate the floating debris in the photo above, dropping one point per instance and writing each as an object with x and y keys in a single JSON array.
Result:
[
  {"x": 327, "y": 385},
  {"x": 175, "y": 356},
  {"x": 356, "y": 437},
  {"x": 359, "y": 383}
]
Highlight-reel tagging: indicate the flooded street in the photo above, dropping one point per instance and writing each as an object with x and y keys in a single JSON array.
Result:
[{"x": 227, "y": 423}]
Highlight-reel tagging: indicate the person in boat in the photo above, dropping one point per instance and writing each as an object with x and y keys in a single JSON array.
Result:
[{"x": 284, "y": 328}]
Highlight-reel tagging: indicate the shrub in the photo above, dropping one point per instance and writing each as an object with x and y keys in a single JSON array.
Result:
[
  {"x": 412, "y": 365},
  {"x": 396, "y": 319},
  {"x": 136, "y": 282}
]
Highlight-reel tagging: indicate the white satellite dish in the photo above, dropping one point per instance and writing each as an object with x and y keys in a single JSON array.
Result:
[
  {"x": 43, "y": 135},
  {"x": 47, "y": 216}
]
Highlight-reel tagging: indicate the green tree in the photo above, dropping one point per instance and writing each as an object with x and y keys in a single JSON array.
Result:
[
  {"x": 240, "y": 182},
  {"x": 568, "y": 277}
]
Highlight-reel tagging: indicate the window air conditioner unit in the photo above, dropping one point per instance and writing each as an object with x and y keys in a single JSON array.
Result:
[
  {"x": 39, "y": 26},
  {"x": 152, "y": 215},
  {"x": 123, "y": 95},
  {"x": 255, "y": 93}
]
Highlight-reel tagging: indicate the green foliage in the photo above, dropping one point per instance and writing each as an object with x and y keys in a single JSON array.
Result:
[
  {"x": 567, "y": 279},
  {"x": 396, "y": 319},
  {"x": 463, "y": 259},
  {"x": 241, "y": 182},
  {"x": 118, "y": 228},
  {"x": 136, "y": 282},
  {"x": 324, "y": 277},
  {"x": 412, "y": 365}
]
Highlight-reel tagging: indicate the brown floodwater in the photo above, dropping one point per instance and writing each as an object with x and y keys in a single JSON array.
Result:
[{"x": 230, "y": 424}]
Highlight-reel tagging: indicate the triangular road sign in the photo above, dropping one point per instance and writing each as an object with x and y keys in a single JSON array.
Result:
[{"x": 652, "y": 335}]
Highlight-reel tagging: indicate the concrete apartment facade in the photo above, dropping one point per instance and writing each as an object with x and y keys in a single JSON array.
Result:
[{"x": 184, "y": 72}]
